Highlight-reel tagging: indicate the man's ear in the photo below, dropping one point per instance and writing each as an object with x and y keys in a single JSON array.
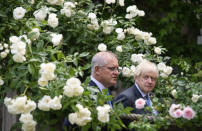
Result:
[{"x": 96, "y": 70}]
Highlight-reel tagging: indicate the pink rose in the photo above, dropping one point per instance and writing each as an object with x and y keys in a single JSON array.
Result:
[
  {"x": 173, "y": 109},
  {"x": 139, "y": 103},
  {"x": 178, "y": 113},
  {"x": 188, "y": 113}
]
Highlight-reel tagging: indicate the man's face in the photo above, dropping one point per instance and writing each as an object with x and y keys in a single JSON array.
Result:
[
  {"x": 109, "y": 72},
  {"x": 146, "y": 81}
]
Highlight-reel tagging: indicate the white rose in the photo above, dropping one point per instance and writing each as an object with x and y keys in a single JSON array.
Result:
[
  {"x": 5, "y": 45},
  {"x": 119, "y": 48},
  {"x": 42, "y": 82},
  {"x": 110, "y": 1},
  {"x": 108, "y": 29},
  {"x": 72, "y": 118},
  {"x": 55, "y": 103},
  {"x": 14, "y": 39},
  {"x": 132, "y": 70},
  {"x": 92, "y": 15},
  {"x": 44, "y": 103},
  {"x": 121, "y": 2},
  {"x": 52, "y": 2},
  {"x": 152, "y": 40},
  {"x": 161, "y": 66},
  {"x": 102, "y": 47},
  {"x": 60, "y": 2},
  {"x": 73, "y": 82},
  {"x": 56, "y": 39},
  {"x": 126, "y": 72},
  {"x": 195, "y": 98},
  {"x": 168, "y": 70},
  {"x": 19, "y": 13},
  {"x": 164, "y": 75},
  {"x": 137, "y": 58},
  {"x": 157, "y": 50},
  {"x": 8, "y": 101},
  {"x": 121, "y": 36},
  {"x": 53, "y": 20},
  {"x": 41, "y": 13},
  {"x": 103, "y": 113},
  {"x": 30, "y": 106},
  {"x": 1, "y": 47},
  {"x": 28, "y": 124},
  {"x": 3, "y": 54},
  {"x": 35, "y": 34},
  {"x": 140, "y": 13},
  {"x": 19, "y": 58},
  {"x": 1, "y": 82},
  {"x": 174, "y": 93}
]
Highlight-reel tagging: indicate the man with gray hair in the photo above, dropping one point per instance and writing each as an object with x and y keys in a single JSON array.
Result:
[
  {"x": 146, "y": 75},
  {"x": 104, "y": 70}
]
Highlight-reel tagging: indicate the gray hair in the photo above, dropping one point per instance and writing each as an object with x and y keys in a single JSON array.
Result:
[
  {"x": 146, "y": 66},
  {"x": 100, "y": 59}
]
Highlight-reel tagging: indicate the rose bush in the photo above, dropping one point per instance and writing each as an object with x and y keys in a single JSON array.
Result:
[{"x": 46, "y": 49}]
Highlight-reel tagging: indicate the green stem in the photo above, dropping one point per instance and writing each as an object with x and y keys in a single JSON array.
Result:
[{"x": 25, "y": 90}]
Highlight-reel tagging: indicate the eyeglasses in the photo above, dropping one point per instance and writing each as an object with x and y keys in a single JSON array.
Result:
[
  {"x": 153, "y": 79},
  {"x": 112, "y": 68}
]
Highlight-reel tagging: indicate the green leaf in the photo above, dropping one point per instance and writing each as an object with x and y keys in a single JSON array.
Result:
[{"x": 31, "y": 69}]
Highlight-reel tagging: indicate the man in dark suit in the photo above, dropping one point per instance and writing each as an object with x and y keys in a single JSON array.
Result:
[
  {"x": 104, "y": 71},
  {"x": 146, "y": 75}
]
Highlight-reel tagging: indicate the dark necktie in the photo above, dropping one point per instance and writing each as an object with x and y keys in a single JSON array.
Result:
[
  {"x": 147, "y": 100},
  {"x": 109, "y": 102}
]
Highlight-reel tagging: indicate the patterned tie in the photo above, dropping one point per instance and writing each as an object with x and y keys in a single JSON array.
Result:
[{"x": 147, "y": 100}]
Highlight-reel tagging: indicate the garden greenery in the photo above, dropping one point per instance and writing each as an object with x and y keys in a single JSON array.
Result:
[{"x": 45, "y": 52}]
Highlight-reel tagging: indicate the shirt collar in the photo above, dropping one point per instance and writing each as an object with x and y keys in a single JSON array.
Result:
[
  {"x": 100, "y": 86},
  {"x": 142, "y": 93}
]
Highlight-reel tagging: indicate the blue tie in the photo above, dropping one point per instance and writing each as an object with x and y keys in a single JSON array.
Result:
[
  {"x": 148, "y": 100},
  {"x": 109, "y": 102}
]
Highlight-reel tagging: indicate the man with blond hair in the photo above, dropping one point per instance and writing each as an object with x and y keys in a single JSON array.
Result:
[{"x": 146, "y": 75}]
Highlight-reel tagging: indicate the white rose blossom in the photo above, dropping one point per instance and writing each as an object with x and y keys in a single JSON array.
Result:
[
  {"x": 102, "y": 47},
  {"x": 126, "y": 72},
  {"x": 195, "y": 98},
  {"x": 1, "y": 81},
  {"x": 121, "y": 2},
  {"x": 41, "y": 13},
  {"x": 55, "y": 103},
  {"x": 108, "y": 25},
  {"x": 3, "y": 54},
  {"x": 36, "y": 33},
  {"x": 173, "y": 108},
  {"x": 73, "y": 87},
  {"x": 110, "y": 1},
  {"x": 103, "y": 113},
  {"x": 47, "y": 73},
  {"x": 174, "y": 93},
  {"x": 82, "y": 117},
  {"x": 53, "y": 20},
  {"x": 19, "y": 13},
  {"x": 157, "y": 50},
  {"x": 56, "y": 39},
  {"x": 1, "y": 47},
  {"x": 44, "y": 103},
  {"x": 137, "y": 58},
  {"x": 119, "y": 48},
  {"x": 28, "y": 124},
  {"x": 19, "y": 105}
]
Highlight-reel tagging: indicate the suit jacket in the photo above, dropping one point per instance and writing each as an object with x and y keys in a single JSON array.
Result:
[{"x": 128, "y": 98}]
